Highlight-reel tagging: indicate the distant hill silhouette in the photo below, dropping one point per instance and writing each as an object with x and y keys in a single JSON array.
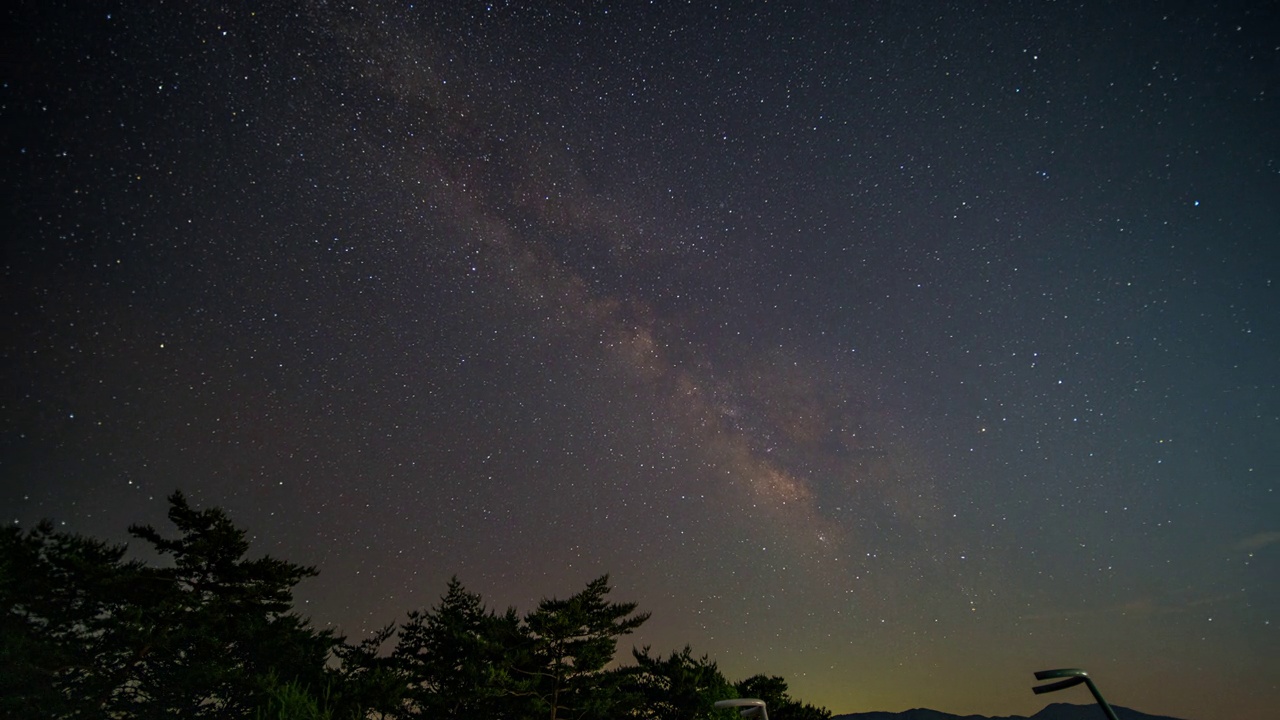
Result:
[{"x": 1055, "y": 711}]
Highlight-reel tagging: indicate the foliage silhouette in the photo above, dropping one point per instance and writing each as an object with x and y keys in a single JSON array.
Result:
[
  {"x": 455, "y": 657},
  {"x": 89, "y": 634},
  {"x": 85, "y": 632},
  {"x": 773, "y": 690},
  {"x": 680, "y": 687},
  {"x": 573, "y": 640}
]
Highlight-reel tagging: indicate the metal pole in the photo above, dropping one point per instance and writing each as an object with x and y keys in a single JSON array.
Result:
[{"x": 1073, "y": 677}]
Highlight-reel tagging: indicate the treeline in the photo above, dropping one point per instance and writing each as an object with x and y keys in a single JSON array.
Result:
[{"x": 87, "y": 633}]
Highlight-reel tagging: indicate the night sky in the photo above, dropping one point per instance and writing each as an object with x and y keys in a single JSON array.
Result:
[{"x": 899, "y": 349}]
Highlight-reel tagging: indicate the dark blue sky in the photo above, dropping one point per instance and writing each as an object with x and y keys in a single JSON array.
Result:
[{"x": 898, "y": 349}]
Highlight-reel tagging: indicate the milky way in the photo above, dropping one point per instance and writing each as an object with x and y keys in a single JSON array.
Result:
[{"x": 898, "y": 351}]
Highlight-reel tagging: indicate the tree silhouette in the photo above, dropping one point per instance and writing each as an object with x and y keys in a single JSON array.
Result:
[
  {"x": 224, "y": 623},
  {"x": 368, "y": 684},
  {"x": 70, "y": 632},
  {"x": 455, "y": 657},
  {"x": 573, "y": 640},
  {"x": 773, "y": 690},
  {"x": 86, "y": 633},
  {"x": 680, "y": 687}
]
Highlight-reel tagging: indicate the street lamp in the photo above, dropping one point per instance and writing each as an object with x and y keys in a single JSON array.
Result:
[
  {"x": 1074, "y": 676},
  {"x": 751, "y": 707}
]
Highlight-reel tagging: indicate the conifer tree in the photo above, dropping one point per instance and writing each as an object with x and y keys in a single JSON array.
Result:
[
  {"x": 572, "y": 642},
  {"x": 773, "y": 690},
  {"x": 85, "y": 633},
  {"x": 679, "y": 687},
  {"x": 69, "y": 632},
  {"x": 368, "y": 684},
  {"x": 455, "y": 657},
  {"x": 225, "y": 623}
]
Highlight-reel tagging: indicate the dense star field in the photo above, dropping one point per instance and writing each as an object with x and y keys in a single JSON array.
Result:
[{"x": 898, "y": 349}]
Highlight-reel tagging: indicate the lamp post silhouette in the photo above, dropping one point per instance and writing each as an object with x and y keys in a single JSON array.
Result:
[
  {"x": 1074, "y": 676},
  {"x": 751, "y": 707}
]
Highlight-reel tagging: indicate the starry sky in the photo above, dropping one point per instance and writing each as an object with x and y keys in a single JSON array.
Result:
[{"x": 900, "y": 349}]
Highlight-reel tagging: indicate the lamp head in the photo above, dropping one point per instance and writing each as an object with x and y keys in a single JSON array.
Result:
[{"x": 750, "y": 707}]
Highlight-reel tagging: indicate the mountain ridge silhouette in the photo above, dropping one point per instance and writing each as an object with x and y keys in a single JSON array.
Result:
[{"x": 1053, "y": 711}]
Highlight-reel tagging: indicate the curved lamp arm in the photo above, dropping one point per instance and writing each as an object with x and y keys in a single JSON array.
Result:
[{"x": 1072, "y": 677}]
